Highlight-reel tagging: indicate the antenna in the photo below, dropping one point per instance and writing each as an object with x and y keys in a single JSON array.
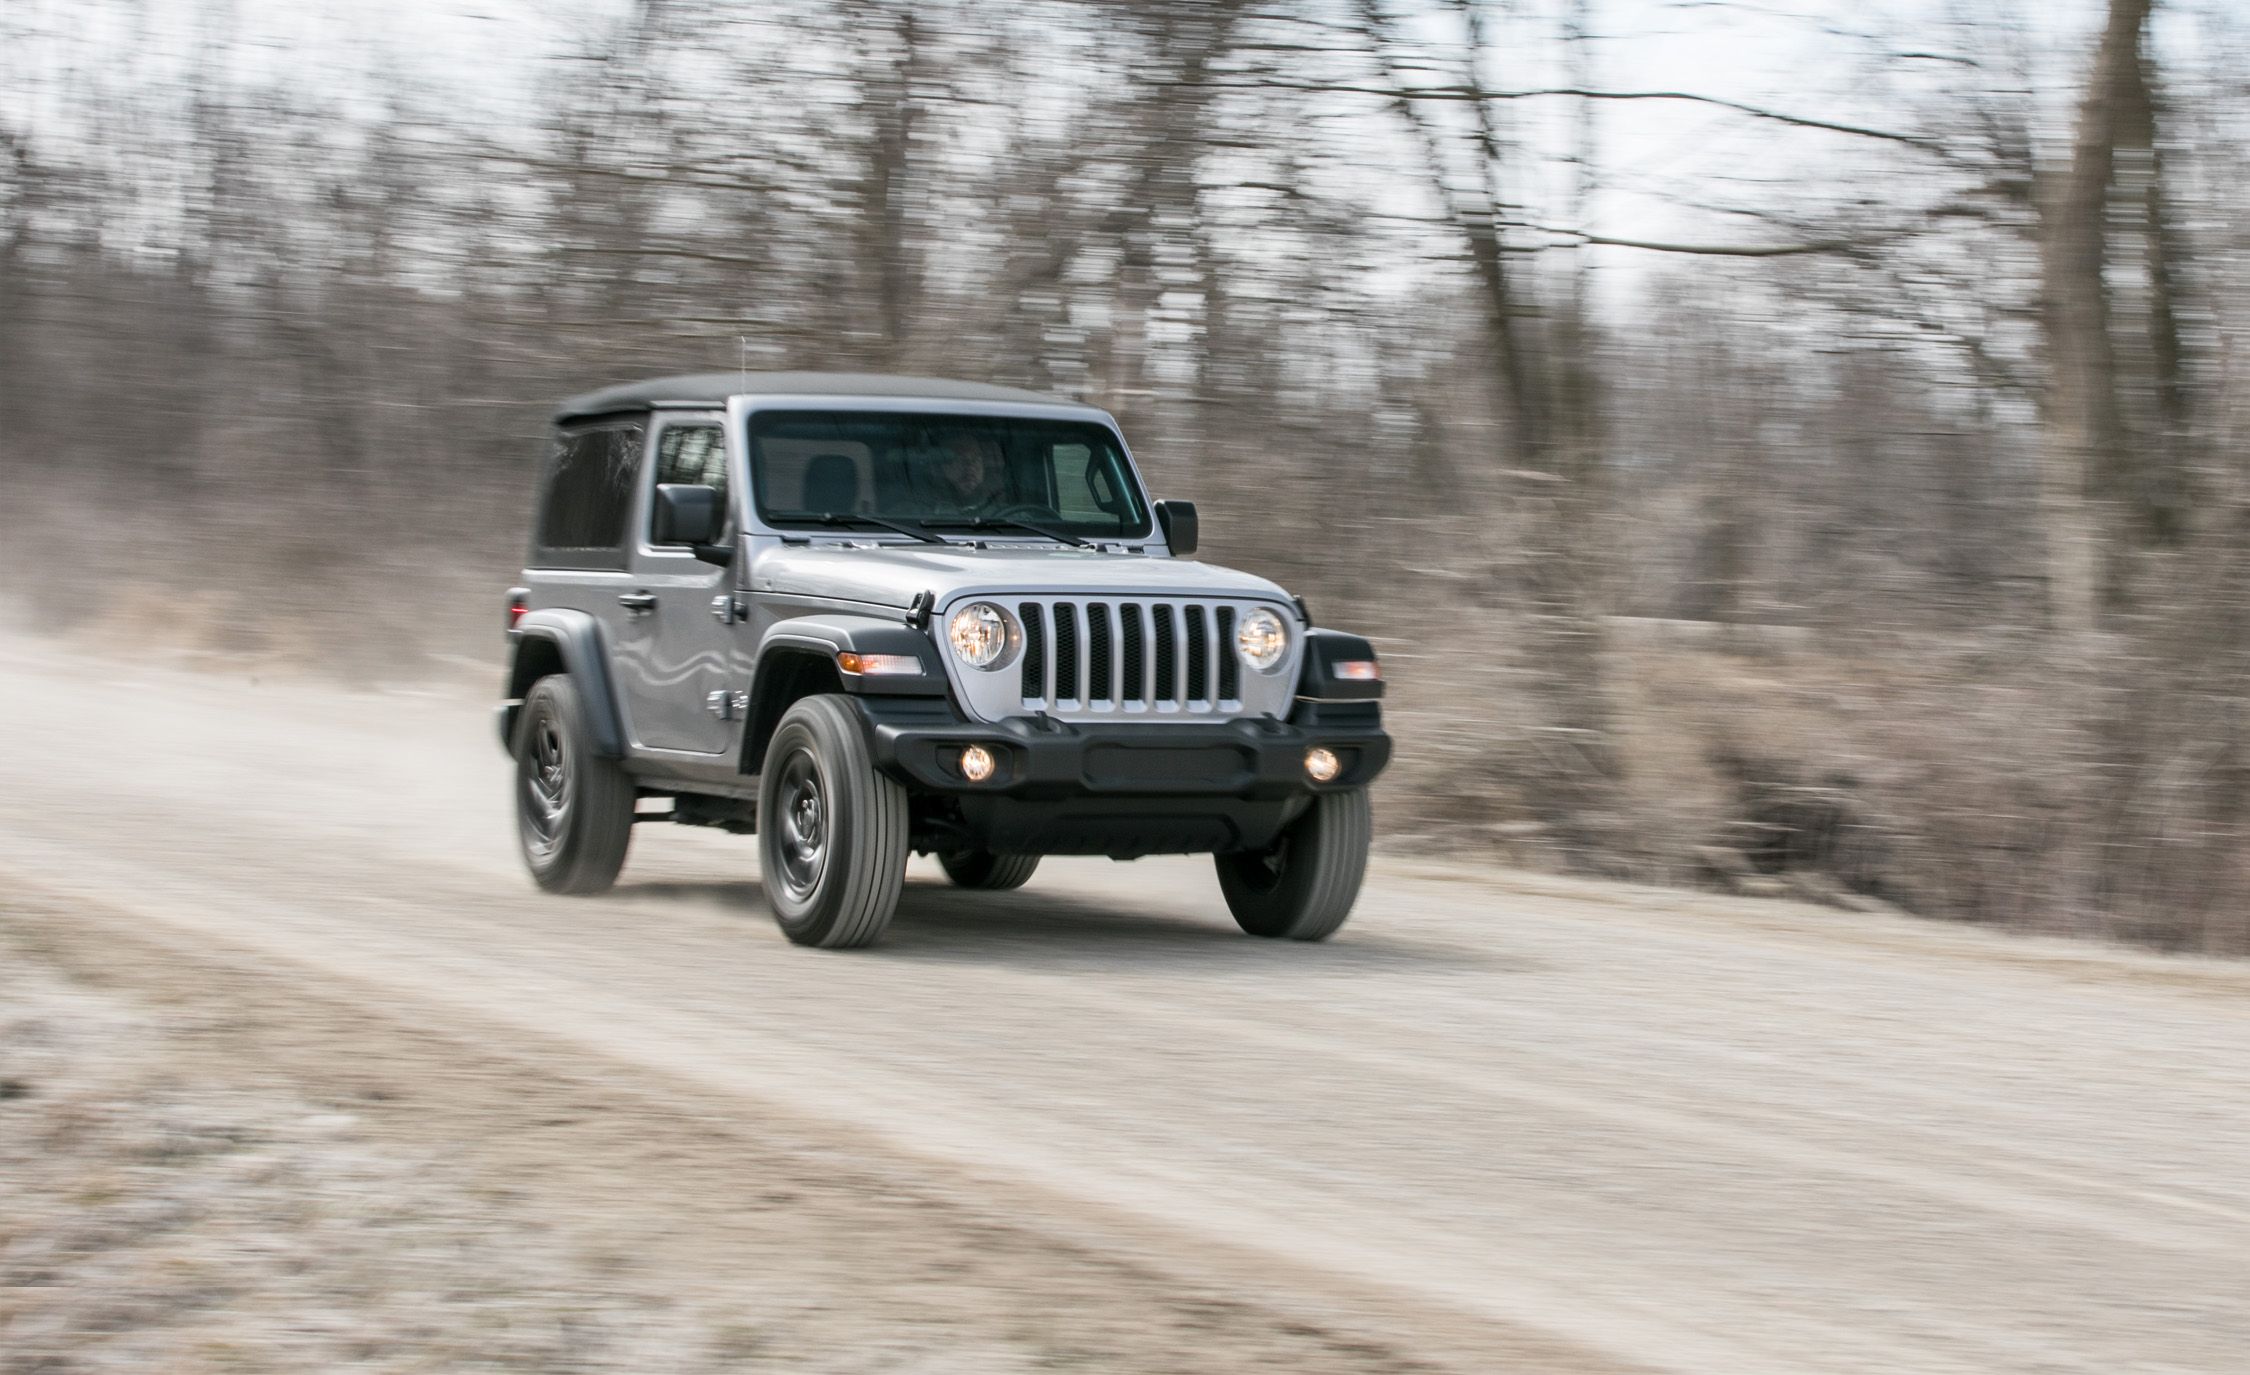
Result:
[{"x": 742, "y": 342}]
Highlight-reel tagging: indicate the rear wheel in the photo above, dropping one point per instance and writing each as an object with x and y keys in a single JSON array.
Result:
[
  {"x": 574, "y": 809},
  {"x": 832, "y": 835},
  {"x": 1304, "y": 886},
  {"x": 984, "y": 869}
]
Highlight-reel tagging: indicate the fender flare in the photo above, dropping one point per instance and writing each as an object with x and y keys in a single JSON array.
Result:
[
  {"x": 778, "y": 668},
  {"x": 577, "y": 637},
  {"x": 829, "y": 633},
  {"x": 1316, "y": 682}
]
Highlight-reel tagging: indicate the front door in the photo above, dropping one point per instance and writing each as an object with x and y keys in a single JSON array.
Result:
[{"x": 675, "y": 644}]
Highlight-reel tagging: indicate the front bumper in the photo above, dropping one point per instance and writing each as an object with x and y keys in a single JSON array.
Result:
[
  {"x": 1040, "y": 757},
  {"x": 1126, "y": 789}
]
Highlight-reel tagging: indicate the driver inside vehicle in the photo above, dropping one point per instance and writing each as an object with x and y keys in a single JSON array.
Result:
[{"x": 966, "y": 477}]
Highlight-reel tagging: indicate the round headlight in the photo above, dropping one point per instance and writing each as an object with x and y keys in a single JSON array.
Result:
[
  {"x": 1262, "y": 640},
  {"x": 979, "y": 632}
]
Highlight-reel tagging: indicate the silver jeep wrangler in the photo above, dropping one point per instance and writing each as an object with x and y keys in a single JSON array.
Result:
[{"x": 865, "y": 616}]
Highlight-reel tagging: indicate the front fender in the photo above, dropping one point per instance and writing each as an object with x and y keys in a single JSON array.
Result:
[
  {"x": 799, "y": 656},
  {"x": 1317, "y": 681},
  {"x": 830, "y": 633},
  {"x": 576, "y": 639}
]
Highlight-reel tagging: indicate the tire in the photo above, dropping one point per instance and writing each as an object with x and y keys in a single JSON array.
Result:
[
  {"x": 832, "y": 835},
  {"x": 986, "y": 870},
  {"x": 574, "y": 809},
  {"x": 1303, "y": 887}
]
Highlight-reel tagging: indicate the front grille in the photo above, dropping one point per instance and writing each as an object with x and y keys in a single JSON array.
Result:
[
  {"x": 1165, "y": 686},
  {"x": 1066, "y": 652},
  {"x": 1034, "y": 649},
  {"x": 1101, "y": 663},
  {"x": 1133, "y": 662},
  {"x": 1198, "y": 654},
  {"x": 1092, "y": 658},
  {"x": 1230, "y": 668}
]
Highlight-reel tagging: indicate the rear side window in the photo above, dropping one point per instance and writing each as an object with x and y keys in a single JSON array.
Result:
[
  {"x": 693, "y": 454},
  {"x": 589, "y": 492}
]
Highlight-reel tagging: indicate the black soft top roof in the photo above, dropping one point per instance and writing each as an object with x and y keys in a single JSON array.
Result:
[{"x": 711, "y": 389}]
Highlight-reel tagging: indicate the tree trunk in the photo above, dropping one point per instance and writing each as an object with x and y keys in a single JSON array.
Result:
[
  {"x": 2085, "y": 439},
  {"x": 889, "y": 197},
  {"x": 2155, "y": 487},
  {"x": 1544, "y": 383}
]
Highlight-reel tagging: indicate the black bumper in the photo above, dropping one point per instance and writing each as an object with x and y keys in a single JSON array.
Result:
[{"x": 1126, "y": 789}]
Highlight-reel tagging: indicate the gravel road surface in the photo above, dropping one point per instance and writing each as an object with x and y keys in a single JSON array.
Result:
[{"x": 1501, "y": 1122}]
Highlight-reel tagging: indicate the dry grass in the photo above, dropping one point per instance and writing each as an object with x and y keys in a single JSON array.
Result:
[{"x": 1962, "y": 777}]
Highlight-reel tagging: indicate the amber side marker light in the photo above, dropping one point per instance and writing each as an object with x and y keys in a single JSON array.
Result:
[
  {"x": 976, "y": 763},
  {"x": 877, "y": 665},
  {"x": 1321, "y": 765},
  {"x": 1359, "y": 671}
]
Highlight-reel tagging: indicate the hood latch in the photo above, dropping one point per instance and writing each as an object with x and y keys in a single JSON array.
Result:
[{"x": 918, "y": 610}]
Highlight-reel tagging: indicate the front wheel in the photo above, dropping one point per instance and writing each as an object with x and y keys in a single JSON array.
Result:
[
  {"x": 986, "y": 870},
  {"x": 832, "y": 835},
  {"x": 1304, "y": 886}
]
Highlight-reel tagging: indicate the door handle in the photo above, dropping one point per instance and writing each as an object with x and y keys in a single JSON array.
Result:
[{"x": 639, "y": 603}]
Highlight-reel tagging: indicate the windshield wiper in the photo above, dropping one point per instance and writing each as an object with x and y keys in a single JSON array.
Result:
[
  {"x": 1001, "y": 523},
  {"x": 840, "y": 518}
]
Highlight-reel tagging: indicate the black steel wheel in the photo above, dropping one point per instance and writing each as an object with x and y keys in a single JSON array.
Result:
[
  {"x": 986, "y": 870},
  {"x": 832, "y": 832},
  {"x": 1304, "y": 886},
  {"x": 800, "y": 820},
  {"x": 574, "y": 809}
]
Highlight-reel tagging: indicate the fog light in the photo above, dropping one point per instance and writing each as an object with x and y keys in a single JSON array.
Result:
[
  {"x": 1321, "y": 764},
  {"x": 976, "y": 763}
]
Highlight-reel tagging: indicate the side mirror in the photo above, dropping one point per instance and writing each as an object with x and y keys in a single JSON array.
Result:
[
  {"x": 690, "y": 514},
  {"x": 687, "y": 514},
  {"x": 1177, "y": 520}
]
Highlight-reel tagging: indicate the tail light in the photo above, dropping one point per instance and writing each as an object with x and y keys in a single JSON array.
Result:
[{"x": 519, "y": 601}]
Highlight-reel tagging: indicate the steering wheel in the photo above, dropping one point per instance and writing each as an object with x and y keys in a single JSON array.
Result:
[{"x": 1022, "y": 508}]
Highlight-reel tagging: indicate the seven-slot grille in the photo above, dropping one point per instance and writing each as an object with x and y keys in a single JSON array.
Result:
[{"x": 1091, "y": 655}]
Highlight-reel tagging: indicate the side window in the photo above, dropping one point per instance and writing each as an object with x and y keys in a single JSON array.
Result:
[
  {"x": 589, "y": 490},
  {"x": 692, "y": 454},
  {"x": 1083, "y": 490}
]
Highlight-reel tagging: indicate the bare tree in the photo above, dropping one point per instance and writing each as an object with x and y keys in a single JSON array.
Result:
[{"x": 2086, "y": 441}]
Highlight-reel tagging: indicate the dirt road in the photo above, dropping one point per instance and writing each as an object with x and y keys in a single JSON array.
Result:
[{"x": 1501, "y": 1122}]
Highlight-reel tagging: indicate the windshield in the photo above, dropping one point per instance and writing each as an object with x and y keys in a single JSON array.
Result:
[{"x": 821, "y": 468}]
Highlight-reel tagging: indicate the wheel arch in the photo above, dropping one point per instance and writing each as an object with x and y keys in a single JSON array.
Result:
[
  {"x": 797, "y": 659},
  {"x": 564, "y": 641},
  {"x": 787, "y": 674}
]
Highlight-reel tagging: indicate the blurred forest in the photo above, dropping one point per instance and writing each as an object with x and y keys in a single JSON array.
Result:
[{"x": 1881, "y": 537}]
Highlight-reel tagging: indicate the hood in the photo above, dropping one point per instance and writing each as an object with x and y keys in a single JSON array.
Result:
[{"x": 892, "y": 574}]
